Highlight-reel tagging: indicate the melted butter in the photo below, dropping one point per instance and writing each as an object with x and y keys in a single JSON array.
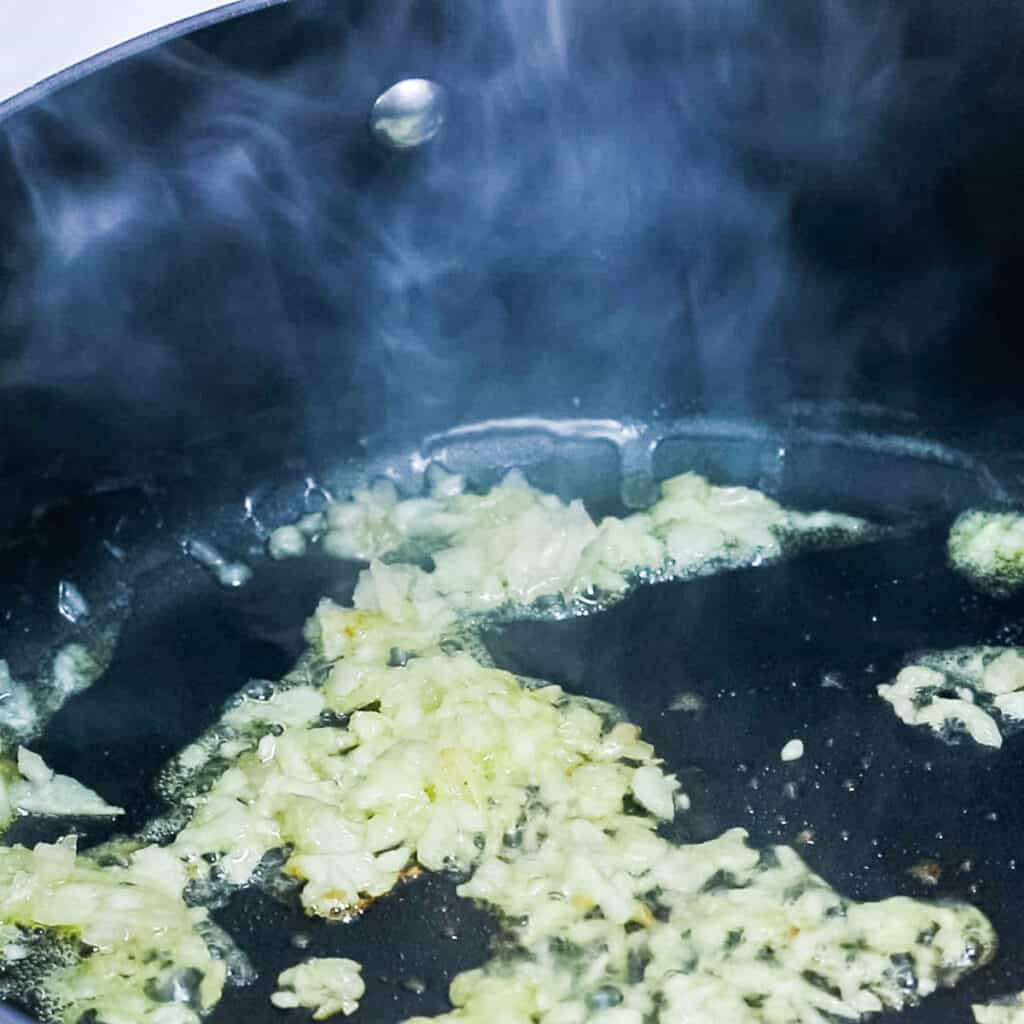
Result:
[
  {"x": 988, "y": 548},
  {"x": 976, "y": 692},
  {"x": 390, "y": 750},
  {"x": 26, "y": 706}
]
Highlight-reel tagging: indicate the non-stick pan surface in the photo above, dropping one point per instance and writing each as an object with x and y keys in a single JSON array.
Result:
[{"x": 793, "y": 650}]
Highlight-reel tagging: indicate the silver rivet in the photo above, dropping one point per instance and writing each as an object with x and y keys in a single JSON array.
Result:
[{"x": 408, "y": 114}]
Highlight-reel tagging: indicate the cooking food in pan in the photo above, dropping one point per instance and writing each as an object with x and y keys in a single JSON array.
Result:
[{"x": 396, "y": 746}]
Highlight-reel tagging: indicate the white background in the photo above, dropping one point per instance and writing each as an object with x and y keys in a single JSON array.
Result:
[{"x": 38, "y": 38}]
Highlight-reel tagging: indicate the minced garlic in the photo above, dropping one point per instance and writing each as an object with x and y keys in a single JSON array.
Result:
[{"x": 392, "y": 749}]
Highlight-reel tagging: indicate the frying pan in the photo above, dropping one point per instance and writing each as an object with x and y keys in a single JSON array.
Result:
[{"x": 216, "y": 289}]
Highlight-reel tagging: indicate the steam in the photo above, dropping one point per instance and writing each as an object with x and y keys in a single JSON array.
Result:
[{"x": 711, "y": 203}]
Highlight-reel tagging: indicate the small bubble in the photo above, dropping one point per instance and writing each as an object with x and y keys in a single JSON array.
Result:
[
  {"x": 398, "y": 658},
  {"x": 70, "y": 602},
  {"x": 315, "y": 498},
  {"x": 604, "y": 998},
  {"x": 259, "y": 689},
  {"x": 417, "y": 986},
  {"x": 301, "y": 940}
]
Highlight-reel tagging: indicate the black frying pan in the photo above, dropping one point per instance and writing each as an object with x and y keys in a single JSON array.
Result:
[{"x": 212, "y": 284}]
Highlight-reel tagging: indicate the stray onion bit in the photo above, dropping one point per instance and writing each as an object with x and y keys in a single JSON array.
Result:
[
  {"x": 227, "y": 574},
  {"x": 792, "y": 751},
  {"x": 972, "y": 691},
  {"x": 325, "y": 985}
]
